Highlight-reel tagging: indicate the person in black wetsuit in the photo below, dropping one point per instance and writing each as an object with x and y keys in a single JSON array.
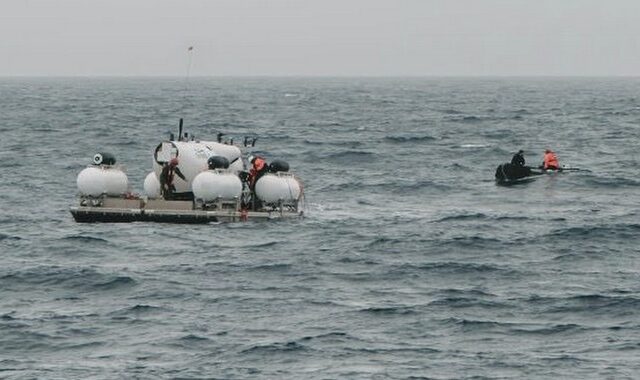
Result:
[
  {"x": 514, "y": 170},
  {"x": 518, "y": 158}
]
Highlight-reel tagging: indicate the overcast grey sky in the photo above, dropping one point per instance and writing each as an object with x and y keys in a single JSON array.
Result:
[{"x": 320, "y": 37}]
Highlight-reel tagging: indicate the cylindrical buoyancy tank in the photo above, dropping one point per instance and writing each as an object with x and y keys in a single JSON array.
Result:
[
  {"x": 272, "y": 188},
  {"x": 278, "y": 166},
  {"x": 97, "y": 180},
  {"x": 213, "y": 184},
  {"x": 193, "y": 159},
  {"x": 103, "y": 158},
  {"x": 152, "y": 186}
]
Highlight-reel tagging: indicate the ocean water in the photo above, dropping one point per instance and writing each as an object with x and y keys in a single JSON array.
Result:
[{"x": 410, "y": 264}]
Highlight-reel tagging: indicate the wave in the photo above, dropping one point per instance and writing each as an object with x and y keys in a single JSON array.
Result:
[
  {"x": 613, "y": 231},
  {"x": 276, "y": 267},
  {"x": 614, "y": 113},
  {"x": 478, "y": 216},
  {"x": 384, "y": 240},
  {"x": 395, "y": 350},
  {"x": 473, "y": 145},
  {"x": 409, "y": 139},
  {"x": 8, "y": 316},
  {"x": 329, "y": 335},
  {"x": 390, "y": 185},
  {"x": 118, "y": 282},
  {"x": 85, "y": 238},
  {"x": 508, "y": 217},
  {"x": 451, "y": 268},
  {"x": 551, "y": 330},
  {"x": 588, "y": 303},
  {"x": 468, "y": 302},
  {"x": 460, "y": 217},
  {"x": 419, "y": 185},
  {"x": 265, "y": 244},
  {"x": 78, "y": 346},
  {"x": 325, "y": 124},
  {"x": 611, "y": 183},
  {"x": 275, "y": 348},
  {"x": 471, "y": 242},
  {"x": 475, "y": 324},
  {"x": 136, "y": 310},
  {"x": 350, "y": 156},
  {"x": 9, "y": 237},
  {"x": 627, "y": 346},
  {"x": 465, "y": 292},
  {"x": 21, "y": 341},
  {"x": 346, "y": 143},
  {"x": 390, "y": 310},
  {"x": 190, "y": 339},
  {"x": 515, "y": 328},
  {"x": 358, "y": 260},
  {"x": 72, "y": 278},
  {"x": 465, "y": 119}
]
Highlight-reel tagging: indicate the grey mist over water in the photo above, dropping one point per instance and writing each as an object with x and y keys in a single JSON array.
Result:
[{"x": 320, "y": 38}]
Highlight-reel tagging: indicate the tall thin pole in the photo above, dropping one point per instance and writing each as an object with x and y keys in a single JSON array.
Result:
[
  {"x": 190, "y": 56},
  {"x": 186, "y": 79}
]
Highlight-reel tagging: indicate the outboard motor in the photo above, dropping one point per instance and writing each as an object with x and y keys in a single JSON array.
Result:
[
  {"x": 218, "y": 162},
  {"x": 278, "y": 166}
]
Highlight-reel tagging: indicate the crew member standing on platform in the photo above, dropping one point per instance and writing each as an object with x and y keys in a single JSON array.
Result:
[
  {"x": 169, "y": 170},
  {"x": 258, "y": 168}
]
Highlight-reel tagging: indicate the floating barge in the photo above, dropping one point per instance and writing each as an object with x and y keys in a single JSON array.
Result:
[{"x": 117, "y": 210}]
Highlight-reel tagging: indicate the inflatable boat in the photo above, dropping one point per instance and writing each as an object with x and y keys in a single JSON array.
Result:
[
  {"x": 209, "y": 182},
  {"x": 510, "y": 174}
]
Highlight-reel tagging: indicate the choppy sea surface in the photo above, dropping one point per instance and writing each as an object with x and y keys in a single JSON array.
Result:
[{"x": 410, "y": 264}]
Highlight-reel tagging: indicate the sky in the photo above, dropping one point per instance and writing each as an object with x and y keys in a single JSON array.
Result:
[{"x": 320, "y": 37}]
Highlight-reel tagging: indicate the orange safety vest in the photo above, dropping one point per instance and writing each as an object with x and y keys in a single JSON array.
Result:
[
  {"x": 258, "y": 166},
  {"x": 551, "y": 161}
]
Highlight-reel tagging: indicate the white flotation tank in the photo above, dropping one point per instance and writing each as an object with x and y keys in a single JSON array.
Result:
[
  {"x": 213, "y": 184},
  {"x": 97, "y": 180},
  {"x": 192, "y": 159},
  {"x": 275, "y": 187},
  {"x": 152, "y": 186}
]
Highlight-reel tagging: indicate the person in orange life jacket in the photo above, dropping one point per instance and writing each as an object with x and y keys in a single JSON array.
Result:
[
  {"x": 258, "y": 169},
  {"x": 169, "y": 170},
  {"x": 550, "y": 160}
]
